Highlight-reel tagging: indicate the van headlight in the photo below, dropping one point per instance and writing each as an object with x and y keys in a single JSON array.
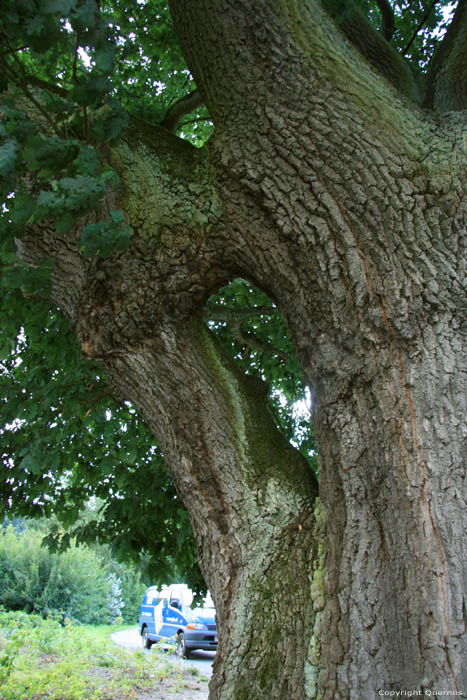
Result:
[{"x": 196, "y": 626}]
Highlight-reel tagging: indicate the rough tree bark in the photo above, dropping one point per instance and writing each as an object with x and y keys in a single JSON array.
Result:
[{"x": 345, "y": 202}]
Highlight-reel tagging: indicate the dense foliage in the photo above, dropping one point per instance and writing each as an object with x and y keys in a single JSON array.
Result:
[
  {"x": 86, "y": 69},
  {"x": 66, "y": 440},
  {"x": 80, "y": 584}
]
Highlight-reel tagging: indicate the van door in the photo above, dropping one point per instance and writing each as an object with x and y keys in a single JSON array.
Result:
[
  {"x": 159, "y": 618},
  {"x": 146, "y": 614},
  {"x": 169, "y": 619}
]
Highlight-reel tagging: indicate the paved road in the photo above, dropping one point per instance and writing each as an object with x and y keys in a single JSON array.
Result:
[{"x": 202, "y": 660}]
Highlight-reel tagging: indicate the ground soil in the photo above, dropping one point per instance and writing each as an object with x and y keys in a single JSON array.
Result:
[
  {"x": 170, "y": 690},
  {"x": 184, "y": 686}
]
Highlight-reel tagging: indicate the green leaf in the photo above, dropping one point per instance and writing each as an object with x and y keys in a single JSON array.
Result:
[
  {"x": 61, "y": 7},
  {"x": 60, "y": 106},
  {"x": 34, "y": 281},
  {"x": 104, "y": 58},
  {"x": 110, "y": 178},
  {"x": 17, "y": 123},
  {"x": 109, "y": 128},
  {"x": 49, "y": 152},
  {"x": 49, "y": 203},
  {"x": 32, "y": 462},
  {"x": 35, "y": 25},
  {"x": 84, "y": 15},
  {"x": 104, "y": 238},
  {"x": 87, "y": 162},
  {"x": 82, "y": 192},
  {"x": 91, "y": 90},
  {"x": 64, "y": 223},
  {"x": 7, "y": 157},
  {"x": 3, "y": 83},
  {"x": 107, "y": 465},
  {"x": 117, "y": 216},
  {"x": 22, "y": 208}
]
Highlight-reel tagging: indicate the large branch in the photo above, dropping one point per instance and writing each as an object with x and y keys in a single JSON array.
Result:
[
  {"x": 181, "y": 108},
  {"x": 387, "y": 16},
  {"x": 249, "y": 56},
  {"x": 447, "y": 77},
  {"x": 374, "y": 46}
]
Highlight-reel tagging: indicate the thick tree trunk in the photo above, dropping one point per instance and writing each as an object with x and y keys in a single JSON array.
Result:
[
  {"x": 251, "y": 502},
  {"x": 347, "y": 206},
  {"x": 372, "y": 220},
  {"x": 394, "y": 480}
]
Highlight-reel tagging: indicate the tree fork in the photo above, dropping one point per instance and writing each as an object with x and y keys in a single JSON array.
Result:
[
  {"x": 250, "y": 495},
  {"x": 347, "y": 205}
]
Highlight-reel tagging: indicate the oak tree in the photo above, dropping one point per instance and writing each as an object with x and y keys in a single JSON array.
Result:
[{"x": 333, "y": 181}]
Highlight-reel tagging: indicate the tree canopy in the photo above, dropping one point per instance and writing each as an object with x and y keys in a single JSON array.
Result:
[{"x": 87, "y": 70}]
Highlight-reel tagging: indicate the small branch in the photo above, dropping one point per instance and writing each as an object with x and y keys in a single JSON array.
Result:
[
  {"x": 234, "y": 319},
  {"x": 34, "y": 297},
  {"x": 223, "y": 313},
  {"x": 419, "y": 26},
  {"x": 11, "y": 51},
  {"x": 42, "y": 111},
  {"x": 94, "y": 400},
  {"x": 193, "y": 121},
  {"x": 387, "y": 15},
  {"x": 38, "y": 106},
  {"x": 37, "y": 82},
  {"x": 183, "y": 106},
  {"x": 75, "y": 60},
  {"x": 253, "y": 343},
  {"x": 86, "y": 123},
  {"x": 22, "y": 81}
]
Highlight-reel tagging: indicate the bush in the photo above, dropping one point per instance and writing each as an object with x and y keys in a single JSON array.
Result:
[
  {"x": 75, "y": 584},
  {"x": 132, "y": 587}
]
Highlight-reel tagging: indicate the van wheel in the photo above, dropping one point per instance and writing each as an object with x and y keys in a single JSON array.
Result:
[
  {"x": 182, "y": 651},
  {"x": 147, "y": 644}
]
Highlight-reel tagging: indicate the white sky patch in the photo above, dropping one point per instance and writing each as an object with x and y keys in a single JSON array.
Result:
[
  {"x": 17, "y": 423},
  {"x": 305, "y": 407},
  {"x": 447, "y": 14},
  {"x": 300, "y": 409},
  {"x": 84, "y": 57}
]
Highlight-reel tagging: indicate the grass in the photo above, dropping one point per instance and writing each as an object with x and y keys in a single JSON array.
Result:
[{"x": 44, "y": 660}]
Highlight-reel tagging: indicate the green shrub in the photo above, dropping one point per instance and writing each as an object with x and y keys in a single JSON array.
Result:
[
  {"x": 132, "y": 588},
  {"x": 75, "y": 584}
]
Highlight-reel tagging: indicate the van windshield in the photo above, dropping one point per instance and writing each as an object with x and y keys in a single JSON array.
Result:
[{"x": 186, "y": 596}]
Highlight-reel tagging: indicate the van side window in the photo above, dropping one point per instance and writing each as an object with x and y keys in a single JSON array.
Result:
[{"x": 152, "y": 596}]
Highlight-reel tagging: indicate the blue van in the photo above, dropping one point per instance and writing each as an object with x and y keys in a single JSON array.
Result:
[{"x": 166, "y": 615}]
